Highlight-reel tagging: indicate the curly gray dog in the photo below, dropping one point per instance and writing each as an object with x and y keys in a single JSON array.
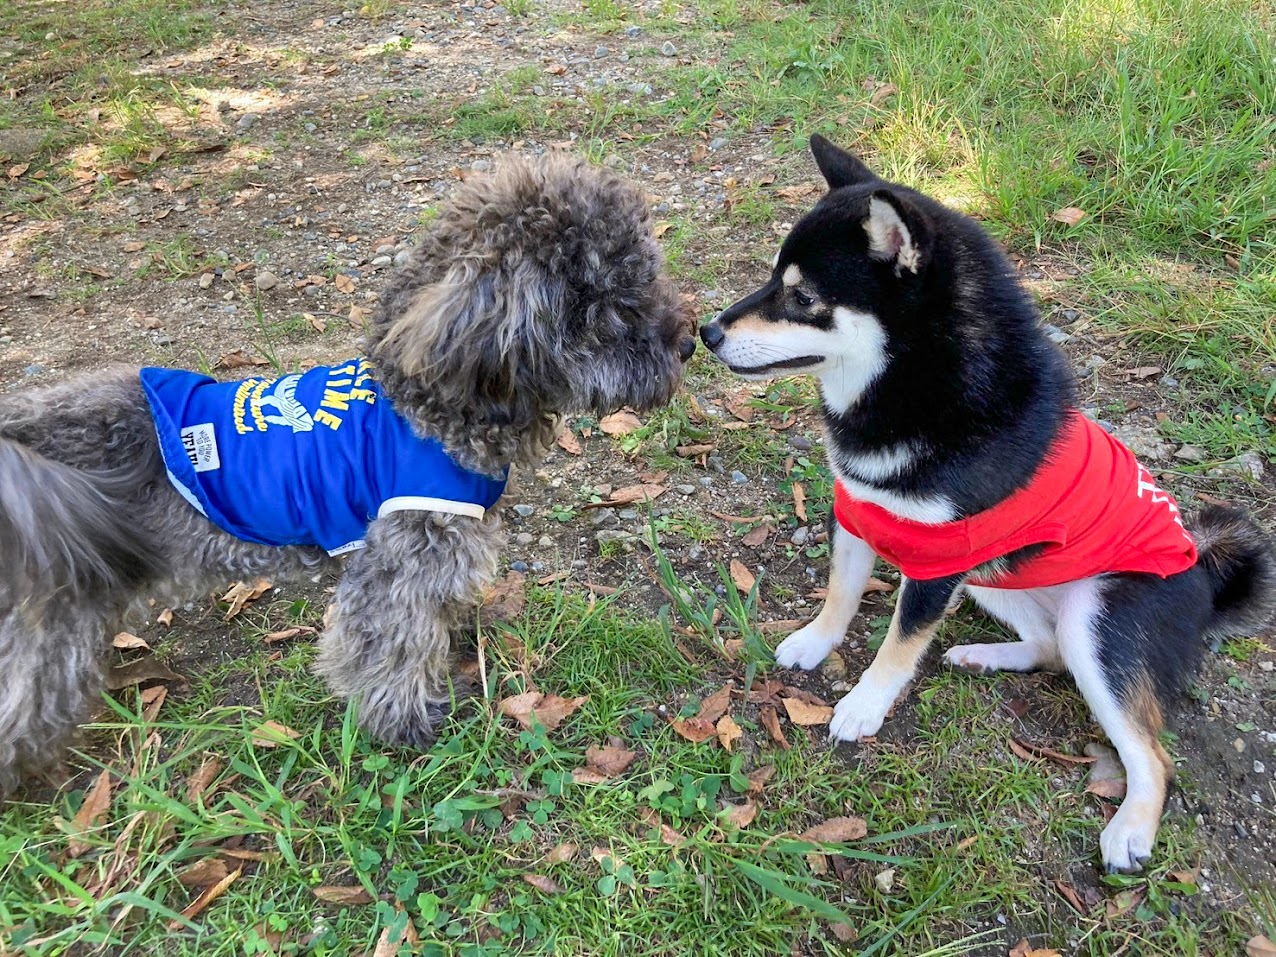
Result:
[{"x": 538, "y": 292}]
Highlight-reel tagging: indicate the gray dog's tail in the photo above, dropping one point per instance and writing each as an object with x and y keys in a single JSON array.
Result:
[
  {"x": 1239, "y": 559},
  {"x": 62, "y": 527}
]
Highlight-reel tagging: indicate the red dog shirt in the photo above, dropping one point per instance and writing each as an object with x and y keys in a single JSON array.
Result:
[{"x": 1091, "y": 504}]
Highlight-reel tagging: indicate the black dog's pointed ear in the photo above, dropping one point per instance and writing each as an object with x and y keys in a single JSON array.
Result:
[
  {"x": 839, "y": 167},
  {"x": 898, "y": 232}
]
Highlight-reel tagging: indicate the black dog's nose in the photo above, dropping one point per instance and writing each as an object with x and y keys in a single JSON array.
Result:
[
  {"x": 712, "y": 334},
  {"x": 686, "y": 349}
]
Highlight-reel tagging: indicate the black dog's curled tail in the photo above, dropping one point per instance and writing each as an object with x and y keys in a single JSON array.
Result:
[
  {"x": 63, "y": 528},
  {"x": 1240, "y": 561}
]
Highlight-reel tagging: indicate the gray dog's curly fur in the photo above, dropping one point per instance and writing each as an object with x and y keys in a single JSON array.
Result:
[{"x": 538, "y": 292}]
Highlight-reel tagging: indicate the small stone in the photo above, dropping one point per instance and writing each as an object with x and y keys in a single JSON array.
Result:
[
  {"x": 834, "y": 667},
  {"x": 668, "y": 49},
  {"x": 633, "y": 32},
  {"x": 382, "y": 261},
  {"x": 266, "y": 280},
  {"x": 385, "y": 249},
  {"x": 401, "y": 257},
  {"x": 605, "y": 518},
  {"x": 524, "y": 511},
  {"x": 1071, "y": 315},
  {"x": 1239, "y": 745},
  {"x": 1240, "y": 830},
  {"x": 800, "y": 443},
  {"x": 800, "y": 536},
  {"x": 524, "y": 538},
  {"x": 695, "y": 553},
  {"x": 1260, "y": 768},
  {"x": 545, "y": 542},
  {"x": 164, "y": 338},
  {"x": 600, "y": 52},
  {"x": 310, "y": 128},
  {"x": 519, "y": 566},
  {"x": 1169, "y": 382},
  {"x": 1092, "y": 365},
  {"x": 1146, "y": 443},
  {"x": 705, "y": 481},
  {"x": 628, "y": 514},
  {"x": 718, "y": 142},
  {"x": 1249, "y": 465},
  {"x": 1191, "y": 453},
  {"x": 1256, "y": 798},
  {"x": 685, "y": 489},
  {"x": 206, "y": 280},
  {"x": 1056, "y": 335},
  {"x": 34, "y": 369},
  {"x": 885, "y": 881},
  {"x": 1266, "y": 666},
  {"x": 612, "y": 535},
  {"x": 481, "y": 165},
  {"x": 739, "y": 478},
  {"x": 247, "y": 121}
]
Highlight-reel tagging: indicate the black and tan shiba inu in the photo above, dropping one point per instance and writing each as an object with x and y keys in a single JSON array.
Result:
[{"x": 960, "y": 457}]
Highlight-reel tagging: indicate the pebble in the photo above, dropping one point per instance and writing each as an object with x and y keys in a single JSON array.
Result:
[
  {"x": 668, "y": 49},
  {"x": 481, "y": 165},
  {"x": 718, "y": 142},
  {"x": 381, "y": 261},
  {"x": 206, "y": 280},
  {"x": 695, "y": 553},
  {"x": 164, "y": 338},
  {"x": 1145, "y": 442},
  {"x": 706, "y": 481},
  {"x": 800, "y": 442},
  {"x": 685, "y": 489},
  {"x": 1169, "y": 382},
  {"x": 834, "y": 667},
  {"x": 1092, "y": 365},
  {"x": 628, "y": 514},
  {"x": 266, "y": 280},
  {"x": 1056, "y": 335},
  {"x": 605, "y": 517},
  {"x": 545, "y": 542},
  {"x": 247, "y": 121},
  {"x": 1260, "y": 768},
  {"x": 402, "y": 256},
  {"x": 1249, "y": 465},
  {"x": 34, "y": 369},
  {"x": 524, "y": 538},
  {"x": 600, "y": 52},
  {"x": 1239, "y": 745},
  {"x": 1070, "y": 315},
  {"x": 800, "y": 536},
  {"x": 739, "y": 478},
  {"x": 1266, "y": 665},
  {"x": 385, "y": 249},
  {"x": 633, "y": 32},
  {"x": 524, "y": 511},
  {"x": 608, "y": 535},
  {"x": 1191, "y": 453}
]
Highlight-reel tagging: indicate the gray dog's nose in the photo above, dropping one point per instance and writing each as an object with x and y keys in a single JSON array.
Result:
[{"x": 712, "y": 334}]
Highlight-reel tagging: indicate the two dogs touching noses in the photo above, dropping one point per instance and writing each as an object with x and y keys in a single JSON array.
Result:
[{"x": 538, "y": 293}]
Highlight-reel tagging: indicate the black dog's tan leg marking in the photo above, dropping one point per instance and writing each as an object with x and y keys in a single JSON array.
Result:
[
  {"x": 852, "y": 564},
  {"x": 1128, "y": 711},
  {"x": 918, "y": 612}
]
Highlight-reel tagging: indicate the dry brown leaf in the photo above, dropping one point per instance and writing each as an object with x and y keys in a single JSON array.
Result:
[
  {"x": 568, "y": 442},
  {"x": 759, "y": 535},
  {"x": 771, "y": 721},
  {"x": 288, "y": 634},
  {"x": 844, "y": 932},
  {"x": 693, "y": 451},
  {"x": 388, "y": 943},
  {"x": 1260, "y": 946},
  {"x": 742, "y": 815},
  {"x": 1027, "y": 750},
  {"x": 1071, "y": 215},
  {"x": 344, "y": 283},
  {"x": 1069, "y": 893},
  {"x": 715, "y": 706},
  {"x": 1107, "y": 777},
  {"x": 743, "y": 578},
  {"x": 619, "y": 423},
  {"x": 883, "y": 93},
  {"x": 210, "y": 870},
  {"x": 240, "y": 594},
  {"x": 1025, "y": 949},
  {"x": 317, "y": 324},
  {"x": 740, "y": 409},
  {"x": 780, "y": 626},
  {"x": 799, "y": 191},
  {"x": 18, "y": 170},
  {"x": 553, "y": 710},
  {"x": 661, "y": 228},
  {"x": 342, "y": 894},
  {"x": 152, "y": 700},
  {"x": 608, "y": 760},
  {"x": 505, "y": 600},
  {"x": 758, "y": 778},
  {"x": 600, "y": 854},
  {"x": 728, "y": 731},
  {"x": 271, "y": 734},
  {"x": 799, "y": 501},
  {"x": 127, "y": 640},
  {"x": 805, "y": 714},
  {"x": 877, "y": 585},
  {"x": 238, "y": 359},
  {"x": 92, "y": 813},
  {"x": 546, "y": 885},
  {"x": 138, "y": 672},
  {"x": 358, "y": 318},
  {"x": 696, "y": 730},
  {"x": 199, "y": 782},
  {"x": 210, "y": 894},
  {"x": 1143, "y": 372},
  {"x": 589, "y": 776},
  {"x": 165, "y": 617},
  {"x": 634, "y": 493},
  {"x": 836, "y": 830},
  {"x": 561, "y": 854},
  {"x": 1186, "y": 876},
  {"x": 520, "y": 707}
]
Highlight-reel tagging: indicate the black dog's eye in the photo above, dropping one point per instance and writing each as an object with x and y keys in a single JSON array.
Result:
[{"x": 802, "y": 298}]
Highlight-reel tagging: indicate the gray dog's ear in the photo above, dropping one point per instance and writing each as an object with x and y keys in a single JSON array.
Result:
[{"x": 469, "y": 337}]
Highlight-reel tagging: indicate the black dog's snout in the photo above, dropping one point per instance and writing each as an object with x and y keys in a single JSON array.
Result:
[{"x": 712, "y": 334}]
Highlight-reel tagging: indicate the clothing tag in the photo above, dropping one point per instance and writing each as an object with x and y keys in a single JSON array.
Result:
[
  {"x": 347, "y": 547},
  {"x": 200, "y": 443}
]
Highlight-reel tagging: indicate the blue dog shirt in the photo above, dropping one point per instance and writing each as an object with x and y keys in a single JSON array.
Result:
[{"x": 306, "y": 459}]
